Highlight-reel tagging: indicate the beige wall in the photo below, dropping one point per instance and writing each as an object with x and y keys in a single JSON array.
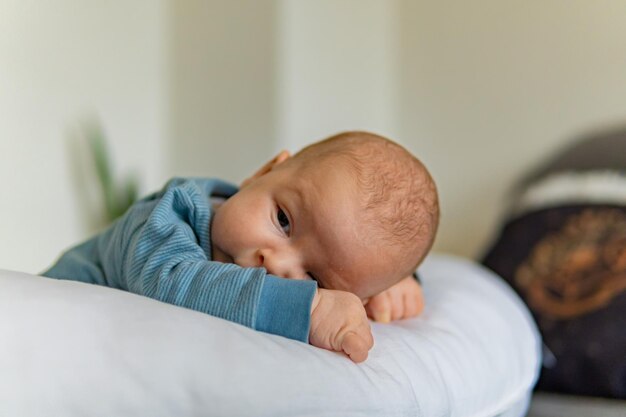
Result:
[
  {"x": 63, "y": 62},
  {"x": 337, "y": 66},
  {"x": 221, "y": 86},
  {"x": 479, "y": 90},
  {"x": 489, "y": 87}
]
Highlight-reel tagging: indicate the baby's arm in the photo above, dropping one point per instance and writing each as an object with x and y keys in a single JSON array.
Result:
[
  {"x": 158, "y": 249},
  {"x": 165, "y": 261},
  {"x": 155, "y": 250},
  {"x": 401, "y": 301},
  {"x": 296, "y": 309}
]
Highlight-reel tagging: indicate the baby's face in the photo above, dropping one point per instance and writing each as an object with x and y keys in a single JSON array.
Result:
[{"x": 302, "y": 223}]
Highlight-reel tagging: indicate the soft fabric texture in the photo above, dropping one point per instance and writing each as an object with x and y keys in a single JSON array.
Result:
[
  {"x": 161, "y": 248},
  {"x": 73, "y": 349}
]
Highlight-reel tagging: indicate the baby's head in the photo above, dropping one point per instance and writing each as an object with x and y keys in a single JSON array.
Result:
[{"x": 356, "y": 212}]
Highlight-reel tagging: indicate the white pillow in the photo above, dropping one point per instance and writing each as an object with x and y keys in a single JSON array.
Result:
[{"x": 74, "y": 349}]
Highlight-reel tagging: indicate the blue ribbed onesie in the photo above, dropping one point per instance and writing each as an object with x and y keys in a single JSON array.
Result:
[{"x": 161, "y": 248}]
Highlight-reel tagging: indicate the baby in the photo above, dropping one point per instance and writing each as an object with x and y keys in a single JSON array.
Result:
[{"x": 346, "y": 220}]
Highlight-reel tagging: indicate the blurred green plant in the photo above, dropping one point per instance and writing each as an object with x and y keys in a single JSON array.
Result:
[{"x": 118, "y": 196}]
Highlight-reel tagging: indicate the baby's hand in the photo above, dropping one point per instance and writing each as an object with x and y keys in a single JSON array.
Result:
[
  {"x": 401, "y": 301},
  {"x": 339, "y": 323}
]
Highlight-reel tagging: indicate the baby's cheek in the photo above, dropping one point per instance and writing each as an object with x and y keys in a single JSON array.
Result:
[
  {"x": 364, "y": 289},
  {"x": 329, "y": 284}
]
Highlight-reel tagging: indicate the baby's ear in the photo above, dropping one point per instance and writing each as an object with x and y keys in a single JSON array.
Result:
[{"x": 278, "y": 159}]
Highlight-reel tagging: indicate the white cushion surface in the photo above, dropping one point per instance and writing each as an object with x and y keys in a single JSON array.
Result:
[{"x": 74, "y": 349}]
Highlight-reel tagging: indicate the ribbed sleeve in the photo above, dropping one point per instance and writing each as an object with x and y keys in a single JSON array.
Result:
[
  {"x": 285, "y": 307},
  {"x": 161, "y": 248}
]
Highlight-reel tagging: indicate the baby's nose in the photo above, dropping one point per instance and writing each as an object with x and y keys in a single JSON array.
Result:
[{"x": 282, "y": 264}]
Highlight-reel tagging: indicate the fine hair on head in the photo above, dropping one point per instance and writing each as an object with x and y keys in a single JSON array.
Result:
[{"x": 398, "y": 195}]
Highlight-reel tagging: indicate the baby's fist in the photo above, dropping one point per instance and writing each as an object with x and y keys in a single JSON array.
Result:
[
  {"x": 339, "y": 323},
  {"x": 401, "y": 301}
]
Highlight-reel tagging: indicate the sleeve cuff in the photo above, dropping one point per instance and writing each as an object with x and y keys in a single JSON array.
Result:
[{"x": 285, "y": 307}]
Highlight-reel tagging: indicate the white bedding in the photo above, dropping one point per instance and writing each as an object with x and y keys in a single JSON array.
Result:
[{"x": 74, "y": 349}]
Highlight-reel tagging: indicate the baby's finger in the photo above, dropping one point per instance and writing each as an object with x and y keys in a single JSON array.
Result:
[
  {"x": 414, "y": 302},
  {"x": 379, "y": 308},
  {"x": 411, "y": 306},
  {"x": 355, "y": 347},
  {"x": 397, "y": 304}
]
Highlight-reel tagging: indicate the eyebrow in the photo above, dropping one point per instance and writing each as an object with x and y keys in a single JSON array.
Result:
[
  {"x": 299, "y": 196},
  {"x": 300, "y": 203}
]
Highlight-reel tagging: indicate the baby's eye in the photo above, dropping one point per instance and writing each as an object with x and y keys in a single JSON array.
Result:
[{"x": 283, "y": 221}]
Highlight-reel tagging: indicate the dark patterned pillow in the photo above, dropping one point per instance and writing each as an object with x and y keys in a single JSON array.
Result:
[
  {"x": 563, "y": 249},
  {"x": 569, "y": 265}
]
